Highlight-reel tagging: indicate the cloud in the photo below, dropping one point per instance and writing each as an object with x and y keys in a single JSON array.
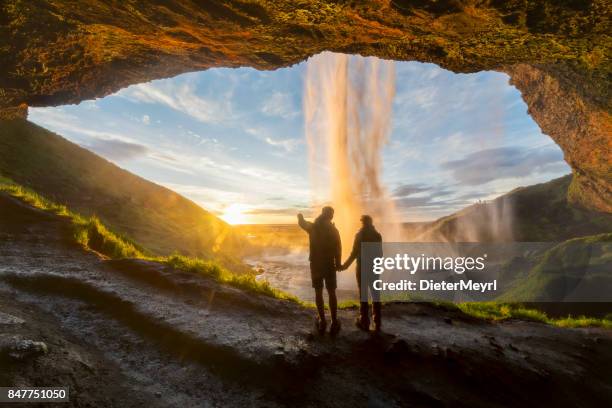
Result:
[
  {"x": 279, "y": 211},
  {"x": 181, "y": 97},
  {"x": 288, "y": 144},
  {"x": 90, "y": 105},
  {"x": 424, "y": 98},
  {"x": 114, "y": 149},
  {"x": 146, "y": 119},
  {"x": 279, "y": 104},
  {"x": 50, "y": 117},
  {"x": 111, "y": 145},
  {"x": 63, "y": 122},
  {"x": 504, "y": 162},
  {"x": 431, "y": 202},
  {"x": 212, "y": 199},
  {"x": 421, "y": 196},
  {"x": 409, "y": 189}
]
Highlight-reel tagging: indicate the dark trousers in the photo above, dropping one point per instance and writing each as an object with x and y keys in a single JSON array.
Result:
[{"x": 364, "y": 308}]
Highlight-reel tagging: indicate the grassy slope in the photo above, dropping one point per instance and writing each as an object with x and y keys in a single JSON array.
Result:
[
  {"x": 92, "y": 234},
  {"x": 498, "y": 311},
  {"x": 540, "y": 213},
  {"x": 159, "y": 219},
  {"x": 574, "y": 270}
]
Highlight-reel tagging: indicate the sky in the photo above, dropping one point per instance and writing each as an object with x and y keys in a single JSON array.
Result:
[{"x": 232, "y": 140}]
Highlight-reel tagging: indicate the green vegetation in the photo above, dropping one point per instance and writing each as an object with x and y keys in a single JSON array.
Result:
[
  {"x": 243, "y": 281},
  {"x": 494, "y": 311},
  {"x": 92, "y": 234},
  {"x": 576, "y": 269}
]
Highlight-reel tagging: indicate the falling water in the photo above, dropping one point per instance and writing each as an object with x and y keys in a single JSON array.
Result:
[{"x": 348, "y": 104}]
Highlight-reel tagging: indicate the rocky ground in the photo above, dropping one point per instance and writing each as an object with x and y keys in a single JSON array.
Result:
[{"x": 133, "y": 333}]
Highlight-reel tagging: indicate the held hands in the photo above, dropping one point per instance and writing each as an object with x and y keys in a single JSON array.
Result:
[{"x": 343, "y": 267}]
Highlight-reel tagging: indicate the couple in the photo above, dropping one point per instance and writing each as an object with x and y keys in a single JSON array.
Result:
[{"x": 325, "y": 260}]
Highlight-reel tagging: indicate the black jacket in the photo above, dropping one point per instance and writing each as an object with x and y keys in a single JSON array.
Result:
[
  {"x": 325, "y": 246},
  {"x": 366, "y": 234}
]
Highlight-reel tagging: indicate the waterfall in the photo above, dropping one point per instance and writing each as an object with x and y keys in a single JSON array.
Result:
[{"x": 348, "y": 102}]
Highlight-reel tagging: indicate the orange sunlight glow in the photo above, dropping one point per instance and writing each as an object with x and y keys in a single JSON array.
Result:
[{"x": 234, "y": 214}]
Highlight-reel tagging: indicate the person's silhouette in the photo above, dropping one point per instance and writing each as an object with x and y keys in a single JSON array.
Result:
[
  {"x": 365, "y": 277},
  {"x": 325, "y": 260}
]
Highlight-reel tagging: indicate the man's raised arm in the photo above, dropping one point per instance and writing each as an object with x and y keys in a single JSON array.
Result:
[{"x": 306, "y": 225}]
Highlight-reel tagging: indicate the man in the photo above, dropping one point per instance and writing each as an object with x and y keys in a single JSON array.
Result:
[
  {"x": 325, "y": 260},
  {"x": 367, "y": 233}
]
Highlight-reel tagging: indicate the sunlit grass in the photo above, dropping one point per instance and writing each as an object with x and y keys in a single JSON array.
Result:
[
  {"x": 348, "y": 304},
  {"x": 30, "y": 197},
  {"x": 92, "y": 234},
  {"x": 494, "y": 311},
  {"x": 211, "y": 269}
]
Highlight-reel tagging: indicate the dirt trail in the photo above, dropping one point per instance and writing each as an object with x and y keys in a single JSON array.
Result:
[{"x": 130, "y": 333}]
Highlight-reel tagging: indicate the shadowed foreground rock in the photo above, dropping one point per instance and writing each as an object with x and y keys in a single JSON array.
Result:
[{"x": 556, "y": 53}]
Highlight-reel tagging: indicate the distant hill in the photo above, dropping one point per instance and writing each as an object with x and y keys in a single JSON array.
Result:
[
  {"x": 577, "y": 270},
  {"x": 159, "y": 219},
  {"x": 535, "y": 213}
]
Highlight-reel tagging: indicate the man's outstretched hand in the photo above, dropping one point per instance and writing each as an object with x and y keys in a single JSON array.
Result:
[{"x": 300, "y": 216}]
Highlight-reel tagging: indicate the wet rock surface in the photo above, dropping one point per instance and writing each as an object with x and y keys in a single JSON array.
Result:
[
  {"x": 17, "y": 348},
  {"x": 130, "y": 333},
  {"x": 7, "y": 319}
]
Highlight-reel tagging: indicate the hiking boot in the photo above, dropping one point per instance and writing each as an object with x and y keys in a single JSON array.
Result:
[
  {"x": 320, "y": 325},
  {"x": 361, "y": 324},
  {"x": 335, "y": 327}
]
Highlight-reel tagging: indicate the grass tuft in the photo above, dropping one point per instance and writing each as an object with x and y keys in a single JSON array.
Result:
[
  {"x": 493, "y": 311},
  {"x": 30, "y": 197},
  {"x": 92, "y": 234},
  {"x": 211, "y": 269}
]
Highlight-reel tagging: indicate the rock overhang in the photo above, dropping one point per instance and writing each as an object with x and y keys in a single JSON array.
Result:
[{"x": 555, "y": 52}]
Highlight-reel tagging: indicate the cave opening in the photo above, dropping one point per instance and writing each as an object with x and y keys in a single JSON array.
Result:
[
  {"x": 255, "y": 148},
  {"x": 453, "y": 139}
]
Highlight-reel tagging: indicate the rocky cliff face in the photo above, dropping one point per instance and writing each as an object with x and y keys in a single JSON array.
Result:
[
  {"x": 557, "y": 53},
  {"x": 580, "y": 125}
]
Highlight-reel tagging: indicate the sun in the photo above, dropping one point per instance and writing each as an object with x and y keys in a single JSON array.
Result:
[{"x": 234, "y": 214}]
